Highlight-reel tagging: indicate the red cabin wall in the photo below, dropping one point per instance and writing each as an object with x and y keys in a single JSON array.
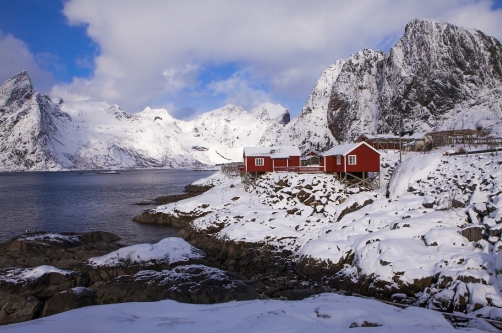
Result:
[
  {"x": 280, "y": 162},
  {"x": 330, "y": 164},
  {"x": 266, "y": 167},
  {"x": 294, "y": 161},
  {"x": 367, "y": 160}
]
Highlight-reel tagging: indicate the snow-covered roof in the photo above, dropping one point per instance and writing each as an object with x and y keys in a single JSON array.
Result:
[
  {"x": 391, "y": 136},
  {"x": 345, "y": 149},
  {"x": 273, "y": 152}
]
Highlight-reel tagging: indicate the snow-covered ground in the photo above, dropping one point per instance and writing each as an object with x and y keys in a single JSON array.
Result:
[
  {"x": 322, "y": 313},
  {"x": 413, "y": 239}
]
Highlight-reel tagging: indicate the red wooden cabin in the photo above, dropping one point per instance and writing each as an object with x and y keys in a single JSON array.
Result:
[
  {"x": 352, "y": 158},
  {"x": 270, "y": 159}
]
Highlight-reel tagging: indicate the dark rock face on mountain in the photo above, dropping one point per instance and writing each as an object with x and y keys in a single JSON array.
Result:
[
  {"x": 436, "y": 70},
  {"x": 23, "y": 110},
  {"x": 438, "y": 76}
]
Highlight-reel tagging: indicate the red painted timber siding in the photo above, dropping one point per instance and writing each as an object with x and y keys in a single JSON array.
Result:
[
  {"x": 330, "y": 164},
  {"x": 367, "y": 160},
  {"x": 280, "y": 162},
  {"x": 251, "y": 167},
  {"x": 294, "y": 161}
]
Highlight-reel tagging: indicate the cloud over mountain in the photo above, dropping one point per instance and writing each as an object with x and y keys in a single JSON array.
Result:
[{"x": 155, "y": 52}]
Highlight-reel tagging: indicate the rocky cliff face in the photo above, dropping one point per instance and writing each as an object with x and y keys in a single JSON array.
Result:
[
  {"x": 436, "y": 77},
  {"x": 28, "y": 127},
  {"x": 438, "y": 73}
]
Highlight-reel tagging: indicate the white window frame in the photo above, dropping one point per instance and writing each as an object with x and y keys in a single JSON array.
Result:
[
  {"x": 259, "y": 161},
  {"x": 338, "y": 160},
  {"x": 352, "y": 159}
]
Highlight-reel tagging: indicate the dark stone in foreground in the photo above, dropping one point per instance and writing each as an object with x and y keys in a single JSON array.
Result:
[
  {"x": 68, "y": 300},
  {"x": 27, "y": 293},
  {"x": 59, "y": 250},
  {"x": 188, "y": 284}
]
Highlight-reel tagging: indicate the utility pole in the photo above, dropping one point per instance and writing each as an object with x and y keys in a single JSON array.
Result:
[{"x": 400, "y": 131}]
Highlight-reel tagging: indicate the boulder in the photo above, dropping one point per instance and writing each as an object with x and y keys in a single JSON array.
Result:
[
  {"x": 16, "y": 309},
  {"x": 473, "y": 233},
  {"x": 189, "y": 284},
  {"x": 60, "y": 250},
  {"x": 68, "y": 300}
]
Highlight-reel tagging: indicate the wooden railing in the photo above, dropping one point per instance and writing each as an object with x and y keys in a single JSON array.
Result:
[{"x": 301, "y": 169}]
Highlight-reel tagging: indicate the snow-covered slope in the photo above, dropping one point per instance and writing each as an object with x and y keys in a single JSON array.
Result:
[
  {"x": 434, "y": 242},
  {"x": 323, "y": 313},
  {"x": 438, "y": 76},
  {"x": 37, "y": 134}
]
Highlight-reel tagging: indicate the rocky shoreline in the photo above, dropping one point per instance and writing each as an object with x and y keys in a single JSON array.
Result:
[{"x": 42, "y": 274}]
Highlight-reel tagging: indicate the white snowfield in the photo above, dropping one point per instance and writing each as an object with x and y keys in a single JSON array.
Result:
[
  {"x": 395, "y": 240},
  {"x": 322, "y": 313},
  {"x": 170, "y": 250}
]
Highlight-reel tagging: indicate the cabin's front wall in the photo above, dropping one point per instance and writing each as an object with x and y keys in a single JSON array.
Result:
[
  {"x": 367, "y": 160},
  {"x": 280, "y": 162},
  {"x": 330, "y": 164},
  {"x": 294, "y": 161},
  {"x": 252, "y": 167}
]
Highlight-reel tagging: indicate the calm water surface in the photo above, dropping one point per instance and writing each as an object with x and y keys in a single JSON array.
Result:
[{"x": 87, "y": 201}]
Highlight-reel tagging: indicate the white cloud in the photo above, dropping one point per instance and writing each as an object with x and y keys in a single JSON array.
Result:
[
  {"x": 15, "y": 57},
  {"x": 155, "y": 49},
  {"x": 238, "y": 90}
]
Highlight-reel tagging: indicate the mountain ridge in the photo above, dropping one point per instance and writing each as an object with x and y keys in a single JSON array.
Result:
[{"x": 437, "y": 76}]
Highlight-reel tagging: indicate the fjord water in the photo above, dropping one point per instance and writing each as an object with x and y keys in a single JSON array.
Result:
[{"x": 87, "y": 201}]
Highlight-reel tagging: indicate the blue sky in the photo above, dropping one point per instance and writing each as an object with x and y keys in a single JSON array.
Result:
[{"x": 190, "y": 57}]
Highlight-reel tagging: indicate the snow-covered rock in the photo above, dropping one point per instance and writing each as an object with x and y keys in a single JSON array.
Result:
[{"x": 169, "y": 250}]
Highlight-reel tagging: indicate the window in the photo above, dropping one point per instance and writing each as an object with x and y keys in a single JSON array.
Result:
[
  {"x": 259, "y": 161},
  {"x": 338, "y": 160},
  {"x": 352, "y": 159}
]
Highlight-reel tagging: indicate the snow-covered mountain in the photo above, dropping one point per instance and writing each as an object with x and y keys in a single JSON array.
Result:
[
  {"x": 38, "y": 134},
  {"x": 437, "y": 76}
]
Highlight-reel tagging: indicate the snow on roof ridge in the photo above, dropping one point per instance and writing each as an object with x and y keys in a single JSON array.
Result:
[
  {"x": 347, "y": 148},
  {"x": 273, "y": 152}
]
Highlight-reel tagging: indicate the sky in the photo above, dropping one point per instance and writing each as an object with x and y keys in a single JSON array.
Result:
[{"x": 194, "y": 56}]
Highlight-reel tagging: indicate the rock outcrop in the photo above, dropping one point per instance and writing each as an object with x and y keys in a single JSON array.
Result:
[
  {"x": 435, "y": 75},
  {"x": 43, "y": 274}
]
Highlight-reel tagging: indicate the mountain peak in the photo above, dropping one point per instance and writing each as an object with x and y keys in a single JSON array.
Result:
[{"x": 16, "y": 89}]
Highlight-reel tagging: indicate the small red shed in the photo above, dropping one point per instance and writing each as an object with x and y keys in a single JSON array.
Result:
[
  {"x": 270, "y": 159},
  {"x": 352, "y": 158}
]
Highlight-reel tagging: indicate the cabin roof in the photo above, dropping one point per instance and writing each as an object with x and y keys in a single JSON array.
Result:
[
  {"x": 391, "y": 136},
  {"x": 345, "y": 149},
  {"x": 272, "y": 152}
]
